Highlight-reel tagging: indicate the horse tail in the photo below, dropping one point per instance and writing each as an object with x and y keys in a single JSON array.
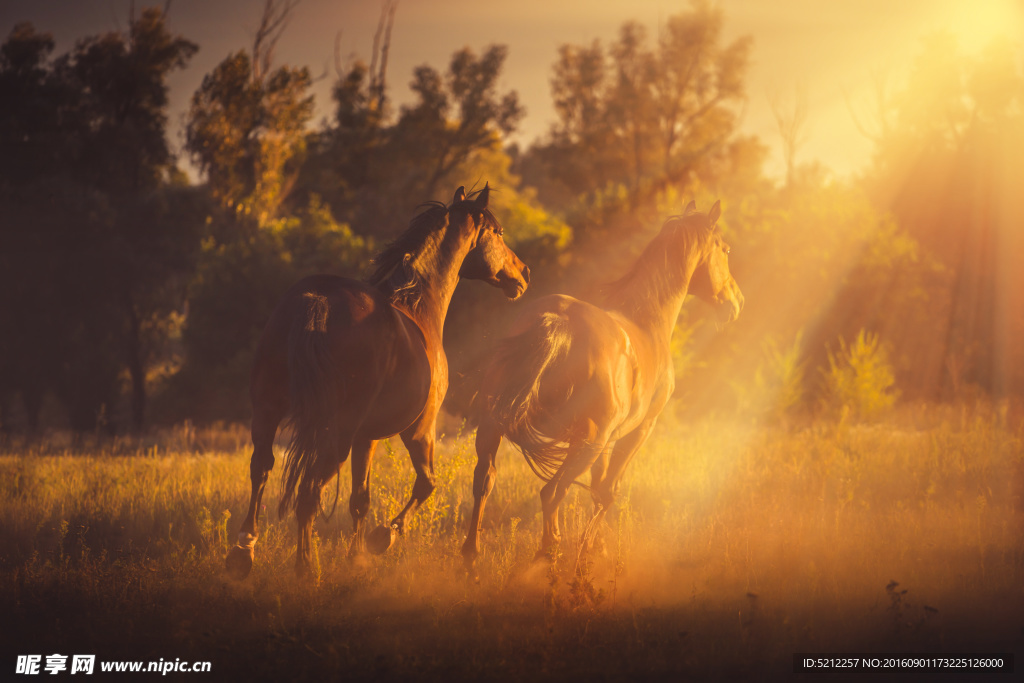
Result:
[
  {"x": 315, "y": 401},
  {"x": 519, "y": 365}
]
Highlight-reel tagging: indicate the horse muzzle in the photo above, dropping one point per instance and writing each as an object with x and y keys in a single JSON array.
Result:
[
  {"x": 729, "y": 308},
  {"x": 513, "y": 286}
]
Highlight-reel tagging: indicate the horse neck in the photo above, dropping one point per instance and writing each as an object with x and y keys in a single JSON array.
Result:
[
  {"x": 655, "y": 298},
  {"x": 437, "y": 264}
]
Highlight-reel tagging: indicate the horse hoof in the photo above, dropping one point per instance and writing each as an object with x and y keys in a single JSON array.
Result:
[
  {"x": 239, "y": 562},
  {"x": 359, "y": 561},
  {"x": 545, "y": 556},
  {"x": 472, "y": 575},
  {"x": 380, "y": 539}
]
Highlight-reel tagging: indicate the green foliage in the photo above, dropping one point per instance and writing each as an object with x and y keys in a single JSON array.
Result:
[
  {"x": 248, "y": 134},
  {"x": 456, "y": 114},
  {"x": 122, "y": 81},
  {"x": 526, "y": 222},
  {"x": 859, "y": 378},
  {"x": 777, "y": 390}
]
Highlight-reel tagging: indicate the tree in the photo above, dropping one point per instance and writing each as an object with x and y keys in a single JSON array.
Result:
[
  {"x": 87, "y": 136},
  {"x": 455, "y": 115},
  {"x": 123, "y": 82},
  {"x": 638, "y": 116},
  {"x": 364, "y": 160},
  {"x": 246, "y": 126},
  {"x": 346, "y": 165},
  {"x": 246, "y": 130}
]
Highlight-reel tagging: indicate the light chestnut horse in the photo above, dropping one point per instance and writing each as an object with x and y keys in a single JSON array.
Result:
[
  {"x": 354, "y": 362},
  {"x": 578, "y": 387}
]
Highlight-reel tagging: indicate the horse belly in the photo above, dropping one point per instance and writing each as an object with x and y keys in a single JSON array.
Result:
[
  {"x": 390, "y": 418},
  {"x": 404, "y": 393}
]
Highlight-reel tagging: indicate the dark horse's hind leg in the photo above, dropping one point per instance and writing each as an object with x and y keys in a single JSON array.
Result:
[
  {"x": 307, "y": 500},
  {"x": 264, "y": 427},
  {"x": 359, "y": 501},
  {"x": 307, "y": 504},
  {"x": 488, "y": 438}
]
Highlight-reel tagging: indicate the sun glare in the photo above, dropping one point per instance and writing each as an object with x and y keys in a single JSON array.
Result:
[{"x": 977, "y": 24}]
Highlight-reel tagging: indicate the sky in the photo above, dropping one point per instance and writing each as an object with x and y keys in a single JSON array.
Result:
[{"x": 828, "y": 50}]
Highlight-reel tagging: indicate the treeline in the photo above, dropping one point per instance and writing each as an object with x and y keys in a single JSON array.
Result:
[{"x": 129, "y": 296}]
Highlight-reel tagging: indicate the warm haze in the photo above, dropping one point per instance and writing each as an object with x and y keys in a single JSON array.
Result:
[
  {"x": 828, "y": 50},
  {"x": 755, "y": 285}
]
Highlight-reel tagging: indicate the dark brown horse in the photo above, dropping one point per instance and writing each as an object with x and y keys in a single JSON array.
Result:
[
  {"x": 577, "y": 387},
  {"x": 353, "y": 362}
]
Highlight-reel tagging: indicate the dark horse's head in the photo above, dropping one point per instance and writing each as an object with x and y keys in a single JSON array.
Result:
[
  {"x": 489, "y": 258},
  {"x": 712, "y": 280}
]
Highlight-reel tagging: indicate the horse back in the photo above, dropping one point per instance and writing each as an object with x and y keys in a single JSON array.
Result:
[
  {"x": 607, "y": 367},
  {"x": 376, "y": 355}
]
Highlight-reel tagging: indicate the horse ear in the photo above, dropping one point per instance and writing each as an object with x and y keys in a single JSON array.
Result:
[
  {"x": 460, "y": 195},
  {"x": 485, "y": 194},
  {"x": 690, "y": 208},
  {"x": 715, "y": 212}
]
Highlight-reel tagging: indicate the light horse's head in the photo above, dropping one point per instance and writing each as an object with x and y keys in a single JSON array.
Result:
[
  {"x": 712, "y": 280},
  {"x": 489, "y": 258}
]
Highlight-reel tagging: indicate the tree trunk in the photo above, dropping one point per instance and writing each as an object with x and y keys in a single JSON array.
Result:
[{"x": 136, "y": 368}]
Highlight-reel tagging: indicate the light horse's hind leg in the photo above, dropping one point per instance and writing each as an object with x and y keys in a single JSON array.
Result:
[
  {"x": 264, "y": 427},
  {"x": 582, "y": 455},
  {"x": 606, "y": 476},
  {"x": 488, "y": 438}
]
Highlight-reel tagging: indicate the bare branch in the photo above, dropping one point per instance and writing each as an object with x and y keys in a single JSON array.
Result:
[
  {"x": 381, "y": 77},
  {"x": 273, "y": 22},
  {"x": 339, "y": 69},
  {"x": 381, "y": 47},
  {"x": 879, "y": 79},
  {"x": 791, "y": 122}
]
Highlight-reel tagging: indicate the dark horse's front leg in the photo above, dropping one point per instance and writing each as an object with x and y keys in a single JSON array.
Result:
[
  {"x": 264, "y": 427},
  {"x": 419, "y": 440}
]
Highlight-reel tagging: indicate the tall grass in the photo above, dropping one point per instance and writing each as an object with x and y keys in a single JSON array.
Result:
[{"x": 730, "y": 548}]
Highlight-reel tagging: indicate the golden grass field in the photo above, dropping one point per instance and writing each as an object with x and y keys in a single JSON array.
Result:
[{"x": 733, "y": 547}]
